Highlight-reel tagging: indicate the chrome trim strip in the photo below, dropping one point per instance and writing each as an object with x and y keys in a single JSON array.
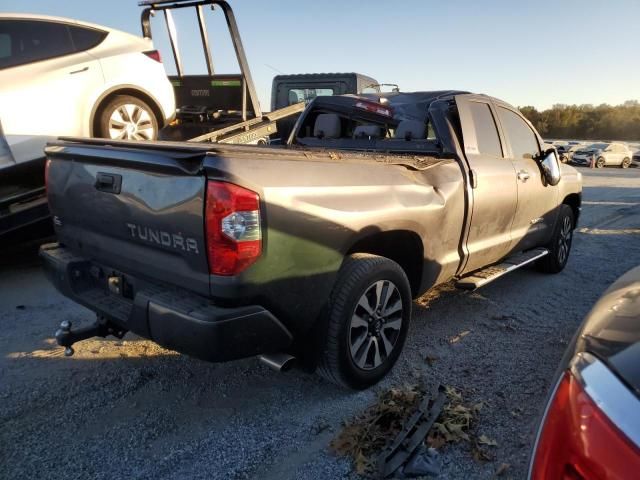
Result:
[{"x": 608, "y": 392}]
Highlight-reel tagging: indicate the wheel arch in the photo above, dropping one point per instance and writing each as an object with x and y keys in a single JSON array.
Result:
[
  {"x": 574, "y": 200},
  {"x": 404, "y": 247},
  {"x": 132, "y": 90}
]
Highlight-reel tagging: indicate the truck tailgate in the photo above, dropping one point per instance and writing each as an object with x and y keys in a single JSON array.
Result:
[{"x": 139, "y": 211}]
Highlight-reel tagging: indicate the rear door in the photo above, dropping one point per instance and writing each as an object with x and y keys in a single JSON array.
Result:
[
  {"x": 44, "y": 79},
  {"x": 537, "y": 202},
  {"x": 494, "y": 190}
]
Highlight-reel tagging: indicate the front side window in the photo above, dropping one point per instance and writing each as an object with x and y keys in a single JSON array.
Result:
[
  {"x": 522, "y": 139},
  {"x": 486, "y": 130},
  {"x": 26, "y": 41}
]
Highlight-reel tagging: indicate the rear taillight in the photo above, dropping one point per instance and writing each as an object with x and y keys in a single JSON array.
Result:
[
  {"x": 154, "y": 54},
  {"x": 234, "y": 235},
  {"x": 47, "y": 165},
  {"x": 578, "y": 440}
]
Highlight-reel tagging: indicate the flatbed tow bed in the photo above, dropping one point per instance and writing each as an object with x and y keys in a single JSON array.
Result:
[{"x": 251, "y": 130}]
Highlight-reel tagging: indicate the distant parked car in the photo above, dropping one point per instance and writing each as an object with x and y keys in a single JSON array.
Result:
[
  {"x": 591, "y": 425},
  {"x": 64, "y": 77},
  {"x": 636, "y": 158},
  {"x": 567, "y": 154},
  {"x": 604, "y": 154}
]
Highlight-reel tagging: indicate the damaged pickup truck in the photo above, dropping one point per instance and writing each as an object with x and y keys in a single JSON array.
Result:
[{"x": 313, "y": 250}]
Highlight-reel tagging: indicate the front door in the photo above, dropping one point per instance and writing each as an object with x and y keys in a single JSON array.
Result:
[
  {"x": 537, "y": 202},
  {"x": 494, "y": 191}
]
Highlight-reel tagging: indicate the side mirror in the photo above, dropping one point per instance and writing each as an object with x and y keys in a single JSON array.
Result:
[{"x": 550, "y": 167}]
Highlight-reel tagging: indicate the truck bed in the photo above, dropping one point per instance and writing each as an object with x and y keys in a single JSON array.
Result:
[{"x": 315, "y": 206}]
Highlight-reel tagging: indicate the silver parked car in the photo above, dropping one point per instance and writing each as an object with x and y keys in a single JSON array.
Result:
[{"x": 604, "y": 154}]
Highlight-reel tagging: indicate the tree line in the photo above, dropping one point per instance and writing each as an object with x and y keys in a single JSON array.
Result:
[{"x": 587, "y": 122}]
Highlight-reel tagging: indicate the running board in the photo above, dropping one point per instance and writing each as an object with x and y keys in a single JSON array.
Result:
[{"x": 480, "y": 278}]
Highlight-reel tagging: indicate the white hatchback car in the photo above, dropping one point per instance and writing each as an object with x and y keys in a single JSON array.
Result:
[{"x": 64, "y": 77}]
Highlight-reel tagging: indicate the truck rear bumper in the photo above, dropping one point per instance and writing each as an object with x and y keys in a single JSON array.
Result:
[{"x": 174, "y": 318}]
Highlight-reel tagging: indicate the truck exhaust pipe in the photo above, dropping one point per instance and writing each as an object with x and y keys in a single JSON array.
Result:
[{"x": 280, "y": 362}]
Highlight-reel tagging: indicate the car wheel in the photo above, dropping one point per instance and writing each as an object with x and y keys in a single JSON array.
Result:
[
  {"x": 560, "y": 245},
  {"x": 600, "y": 162},
  {"x": 367, "y": 321},
  {"x": 127, "y": 118},
  {"x": 625, "y": 162}
]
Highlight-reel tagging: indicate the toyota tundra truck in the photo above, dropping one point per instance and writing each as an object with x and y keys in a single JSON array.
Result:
[{"x": 313, "y": 250}]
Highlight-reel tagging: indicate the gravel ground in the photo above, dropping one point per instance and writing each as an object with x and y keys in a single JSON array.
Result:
[{"x": 130, "y": 409}]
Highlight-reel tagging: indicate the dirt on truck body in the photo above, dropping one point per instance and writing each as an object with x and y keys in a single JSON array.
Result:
[{"x": 312, "y": 250}]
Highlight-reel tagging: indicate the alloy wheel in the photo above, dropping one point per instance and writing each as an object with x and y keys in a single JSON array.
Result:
[
  {"x": 131, "y": 122},
  {"x": 564, "y": 240},
  {"x": 375, "y": 325}
]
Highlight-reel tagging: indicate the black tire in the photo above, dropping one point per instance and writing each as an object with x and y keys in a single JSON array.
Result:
[
  {"x": 144, "y": 127},
  {"x": 625, "y": 162},
  {"x": 600, "y": 162},
  {"x": 560, "y": 244},
  {"x": 358, "y": 275}
]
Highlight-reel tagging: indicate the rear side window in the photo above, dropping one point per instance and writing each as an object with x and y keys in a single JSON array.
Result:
[
  {"x": 486, "y": 130},
  {"x": 522, "y": 139},
  {"x": 85, "y": 38},
  {"x": 26, "y": 41},
  {"x": 5, "y": 46}
]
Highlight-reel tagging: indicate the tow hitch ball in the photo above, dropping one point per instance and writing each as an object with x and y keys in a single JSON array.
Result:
[{"x": 67, "y": 337}]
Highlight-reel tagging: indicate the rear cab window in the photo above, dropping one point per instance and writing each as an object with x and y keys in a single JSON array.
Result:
[{"x": 297, "y": 95}]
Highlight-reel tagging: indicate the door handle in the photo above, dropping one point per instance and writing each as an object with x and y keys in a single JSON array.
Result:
[
  {"x": 523, "y": 175},
  {"x": 108, "y": 182},
  {"x": 79, "y": 71}
]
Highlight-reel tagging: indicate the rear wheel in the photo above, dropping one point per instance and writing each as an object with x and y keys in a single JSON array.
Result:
[
  {"x": 560, "y": 244},
  {"x": 625, "y": 162},
  {"x": 126, "y": 117},
  {"x": 367, "y": 321},
  {"x": 600, "y": 162}
]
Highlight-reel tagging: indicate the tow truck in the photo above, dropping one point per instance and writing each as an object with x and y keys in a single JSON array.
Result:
[
  {"x": 213, "y": 107},
  {"x": 224, "y": 108}
]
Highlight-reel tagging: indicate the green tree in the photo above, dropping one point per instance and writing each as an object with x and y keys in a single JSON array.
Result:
[{"x": 587, "y": 122}]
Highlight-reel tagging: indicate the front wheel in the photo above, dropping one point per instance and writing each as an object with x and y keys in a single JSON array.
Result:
[
  {"x": 600, "y": 162},
  {"x": 367, "y": 321},
  {"x": 560, "y": 245},
  {"x": 626, "y": 162},
  {"x": 127, "y": 118}
]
